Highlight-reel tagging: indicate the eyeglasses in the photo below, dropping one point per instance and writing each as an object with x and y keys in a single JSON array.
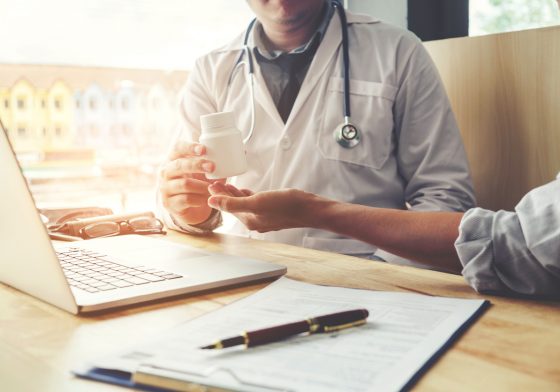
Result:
[{"x": 140, "y": 225}]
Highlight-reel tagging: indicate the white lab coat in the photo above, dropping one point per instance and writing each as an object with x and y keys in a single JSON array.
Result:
[{"x": 410, "y": 152}]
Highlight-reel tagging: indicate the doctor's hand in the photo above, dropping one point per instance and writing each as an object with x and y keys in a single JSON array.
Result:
[
  {"x": 183, "y": 184},
  {"x": 264, "y": 211}
]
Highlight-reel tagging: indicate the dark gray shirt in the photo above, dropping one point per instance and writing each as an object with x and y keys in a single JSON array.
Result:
[{"x": 273, "y": 66}]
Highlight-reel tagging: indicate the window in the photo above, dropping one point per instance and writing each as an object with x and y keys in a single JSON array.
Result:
[
  {"x": 496, "y": 16},
  {"x": 21, "y": 103},
  {"x": 144, "y": 44},
  {"x": 22, "y": 132}
]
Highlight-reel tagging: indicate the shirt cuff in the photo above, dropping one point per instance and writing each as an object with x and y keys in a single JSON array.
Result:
[
  {"x": 475, "y": 249},
  {"x": 214, "y": 221}
]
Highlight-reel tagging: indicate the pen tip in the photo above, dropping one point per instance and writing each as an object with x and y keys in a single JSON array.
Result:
[{"x": 209, "y": 347}]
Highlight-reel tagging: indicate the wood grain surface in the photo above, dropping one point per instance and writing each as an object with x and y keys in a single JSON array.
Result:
[
  {"x": 505, "y": 92},
  {"x": 515, "y": 345}
]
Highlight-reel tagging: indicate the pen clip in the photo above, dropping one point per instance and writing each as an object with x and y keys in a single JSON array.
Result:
[{"x": 334, "y": 328}]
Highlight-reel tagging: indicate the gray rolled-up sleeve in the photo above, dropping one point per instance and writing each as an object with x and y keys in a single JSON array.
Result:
[{"x": 514, "y": 252}]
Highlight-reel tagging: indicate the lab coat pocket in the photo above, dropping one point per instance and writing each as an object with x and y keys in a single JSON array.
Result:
[{"x": 371, "y": 106}]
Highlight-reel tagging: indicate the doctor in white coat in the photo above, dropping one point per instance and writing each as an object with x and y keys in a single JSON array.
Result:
[
  {"x": 503, "y": 252},
  {"x": 409, "y": 155}
]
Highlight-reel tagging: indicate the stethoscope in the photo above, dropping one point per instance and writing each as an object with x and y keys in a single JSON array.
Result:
[{"x": 346, "y": 134}]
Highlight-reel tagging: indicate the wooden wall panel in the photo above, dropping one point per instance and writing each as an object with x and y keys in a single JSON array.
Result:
[{"x": 505, "y": 92}]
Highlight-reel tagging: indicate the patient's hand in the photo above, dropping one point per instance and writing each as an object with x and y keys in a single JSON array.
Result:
[{"x": 264, "y": 211}]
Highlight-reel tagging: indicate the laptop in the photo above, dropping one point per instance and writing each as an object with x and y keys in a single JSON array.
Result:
[{"x": 103, "y": 273}]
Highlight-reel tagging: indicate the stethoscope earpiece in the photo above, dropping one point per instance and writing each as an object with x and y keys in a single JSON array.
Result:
[{"x": 347, "y": 135}]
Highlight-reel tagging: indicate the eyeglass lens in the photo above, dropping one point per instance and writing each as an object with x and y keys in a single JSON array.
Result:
[
  {"x": 145, "y": 224},
  {"x": 135, "y": 225},
  {"x": 101, "y": 229}
]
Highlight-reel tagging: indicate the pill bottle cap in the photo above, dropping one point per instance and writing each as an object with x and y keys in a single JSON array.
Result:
[{"x": 217, "y": 121}]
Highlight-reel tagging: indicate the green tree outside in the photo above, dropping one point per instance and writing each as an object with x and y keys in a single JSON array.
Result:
[{"x": 496, "y": 16}]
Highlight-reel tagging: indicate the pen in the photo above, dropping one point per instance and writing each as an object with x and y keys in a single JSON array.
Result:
[{"x": 326, "y": 323}]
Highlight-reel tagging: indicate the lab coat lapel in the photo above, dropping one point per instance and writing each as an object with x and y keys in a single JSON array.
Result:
[
  {"x": 326, "y": 51},
  {"x": 263, "y": 97}
]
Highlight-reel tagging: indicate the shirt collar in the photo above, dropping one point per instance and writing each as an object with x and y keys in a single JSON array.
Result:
[{"x": 260, "y": 47}]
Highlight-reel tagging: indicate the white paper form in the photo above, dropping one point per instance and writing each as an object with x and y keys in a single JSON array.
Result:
[{"x": 404, "y": 331}]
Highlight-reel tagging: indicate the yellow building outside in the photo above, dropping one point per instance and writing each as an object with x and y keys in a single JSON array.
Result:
[
  {"x": 38, "y": 120},
  {"x": 89, "y": 136},
  {"x": 51, "y": 120},
  {"x": 58, "y": 131},
  {"x": 5, "y": 112}
]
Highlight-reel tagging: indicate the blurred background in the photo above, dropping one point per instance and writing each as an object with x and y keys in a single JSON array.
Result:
[{"x": 89, "y": 90}]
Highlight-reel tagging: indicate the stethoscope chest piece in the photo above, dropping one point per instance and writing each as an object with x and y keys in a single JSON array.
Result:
[{"x": 347, "y": 135}]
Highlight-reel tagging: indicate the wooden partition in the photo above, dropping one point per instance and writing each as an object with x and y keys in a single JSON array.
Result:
[{"x": 505, "y": 91}]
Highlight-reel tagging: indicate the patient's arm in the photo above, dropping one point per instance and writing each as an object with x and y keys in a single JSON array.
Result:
[{"x": 427, "y": 237}]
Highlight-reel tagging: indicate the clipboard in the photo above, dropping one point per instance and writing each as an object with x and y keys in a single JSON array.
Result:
[
  {"x": 174, "y": 362},
  {"x": 219, "y": 381},
  {"x": 154, "y": 379},
  {"x": 115, "y": 377}
]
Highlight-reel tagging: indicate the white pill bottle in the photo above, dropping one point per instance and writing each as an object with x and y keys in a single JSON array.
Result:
[{"x": 224, "y": 145}]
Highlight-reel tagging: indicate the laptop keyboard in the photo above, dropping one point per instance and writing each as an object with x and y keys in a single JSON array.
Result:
[{"x": 94, "y": 272}]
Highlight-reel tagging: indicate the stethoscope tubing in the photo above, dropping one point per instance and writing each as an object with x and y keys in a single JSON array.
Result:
[
  {"x": 345, "y": 60},
  {"x": 246, "y": 51}
]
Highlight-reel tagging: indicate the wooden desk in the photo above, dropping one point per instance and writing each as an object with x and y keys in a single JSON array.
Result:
[{"x": 515, "y": 345}]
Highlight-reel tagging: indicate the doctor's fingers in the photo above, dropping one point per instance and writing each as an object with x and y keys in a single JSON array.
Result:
[
  {"x": 226, "y": 190},
  {"x": 177, "y": 186},
  {"x": 221, "y": 188},
  {"x": 182, "y": 202},
  {"x": 187, "y": 149},
  {"x": 232, "y": 204},
  {"x": 239, "y": 192},
  {"x": 181, "y": 166}
]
